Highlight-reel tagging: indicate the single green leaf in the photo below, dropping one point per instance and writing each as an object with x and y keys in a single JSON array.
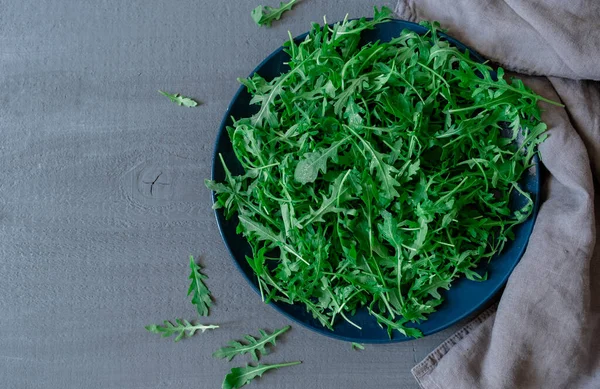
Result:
[
  {"x": 180, "y": 100},
  {"x": 308, "y": 168},
  {"x": 385, "y": 172},
  {"x": 354, "y": 113},
  {"x": 262, "y": 232},
  {"x": 357, "y": 346},
  {"x": 201, "y": 297},
  {"x": 241, "y": 376},
  {"x": 398, "y": 326},
  {"x": 331, "y": 203},
  {"x": 252, "y": 345},
  {"x": 183, "y": 329},
  {"x": 264, "y": 15}
]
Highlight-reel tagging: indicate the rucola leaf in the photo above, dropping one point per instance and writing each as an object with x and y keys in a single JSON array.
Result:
[
  {"x": 241, "y": 376},
  {"x": 183, "y": 329},
  {"x": 252, "y": 345},
  {"x": 200, "y": 293}
]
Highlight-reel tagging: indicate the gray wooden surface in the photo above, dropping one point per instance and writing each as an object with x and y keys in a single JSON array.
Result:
[{"x": 88, "y": 255}]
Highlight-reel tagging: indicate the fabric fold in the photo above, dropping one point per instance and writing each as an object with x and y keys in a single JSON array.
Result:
[{"x": 545, "y": 331}]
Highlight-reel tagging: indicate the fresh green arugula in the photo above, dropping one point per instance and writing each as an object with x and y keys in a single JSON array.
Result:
[
  {"x": 265, "y": 15},
  {"x": 180, "y": 100},
  {"x": 201, "y": 299},
  {"x": 200, "y": 293},
  {"x": 376, "y": 175},
  {"x": 253, "y": 346},
  {"x": 183, "y": 329},
  {"x": 357, "y": 346},
  {"x": 241, "y": 376}
]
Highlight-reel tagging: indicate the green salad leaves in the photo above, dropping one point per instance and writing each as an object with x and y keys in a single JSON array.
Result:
[
  {"x": 241, "y": 376},
  {"x": 201, "y": 298},
  {"x": 375, "y": 175}
]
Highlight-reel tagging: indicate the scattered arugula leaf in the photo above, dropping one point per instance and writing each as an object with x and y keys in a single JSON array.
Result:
[
  {"x": 180, "y": 100},
  {"x": 357, "y": 346},
  {"x": 241, "y": 376},
  {"x": 253, "y": 345},
  {"x": 200, "y": 294},
  {"x": 265, "y": 15},
  {"x": 374, "y": 176},
  {"x": 183, "y": 329}
]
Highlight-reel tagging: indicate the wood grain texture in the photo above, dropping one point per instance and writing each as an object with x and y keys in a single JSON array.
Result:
[{"x": 102, "y": 199}]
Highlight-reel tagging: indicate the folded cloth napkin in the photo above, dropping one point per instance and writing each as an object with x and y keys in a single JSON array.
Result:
[{"x": 545, "y": 331}]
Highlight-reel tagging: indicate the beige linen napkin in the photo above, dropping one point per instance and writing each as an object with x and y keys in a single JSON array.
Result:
[{"x": 545, "y": 331}]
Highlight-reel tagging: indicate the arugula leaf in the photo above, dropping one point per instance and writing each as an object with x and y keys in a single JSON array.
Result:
[
  {"x": 329, "y": 204},
  {"x": 377, "y": 174},
  {"x": 307, "y": 169},
  {"x": 253, "y": 345},
  {"x": 180, "y": 100},
  {"x": 200, "y": 294},
  {"x": 265, "y": 15},
  {"x": 241, "y": 376},
  {"x": 183, "y": 329},
  {"x": 385, "y": 172}
]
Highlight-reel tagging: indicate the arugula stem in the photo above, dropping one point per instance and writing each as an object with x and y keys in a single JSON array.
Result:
[
  {"x": 521, "y": 92},
  {"x": 434, "y": 73}
]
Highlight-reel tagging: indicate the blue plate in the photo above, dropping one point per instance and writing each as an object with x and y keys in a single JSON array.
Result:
[{"x": 464, "y": 297}]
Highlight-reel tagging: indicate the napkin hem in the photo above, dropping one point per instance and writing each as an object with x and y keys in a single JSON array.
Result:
[{"x": 423, "y": 369}]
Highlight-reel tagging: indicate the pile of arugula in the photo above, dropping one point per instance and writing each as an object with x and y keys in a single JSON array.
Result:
[{"x": 376, "y": 175}]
